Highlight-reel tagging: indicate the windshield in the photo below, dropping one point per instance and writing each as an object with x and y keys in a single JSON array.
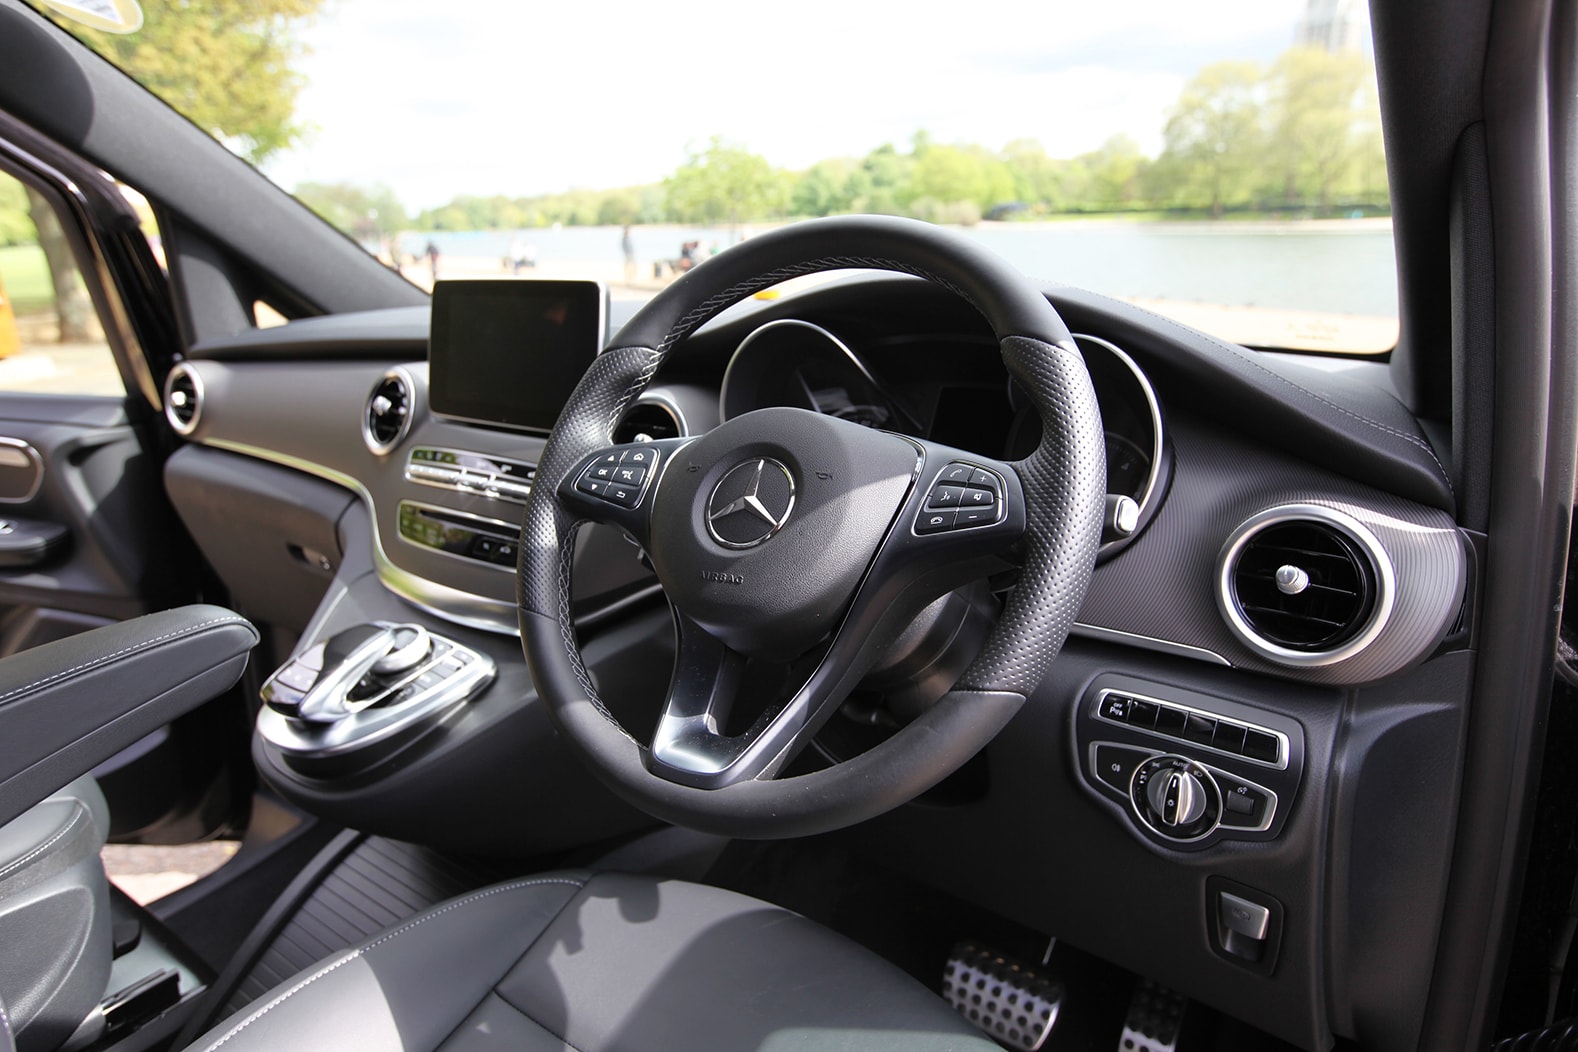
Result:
[{"x": 1219, "y": 162}]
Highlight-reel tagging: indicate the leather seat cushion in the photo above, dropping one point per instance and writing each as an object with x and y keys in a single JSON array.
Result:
[{"x": 604, "y": 963}]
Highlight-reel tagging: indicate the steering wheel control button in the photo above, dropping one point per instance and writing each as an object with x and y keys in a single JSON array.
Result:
[
  {"x": 750, "y": 503},
  {"x": 944, "y": 497},
  {"x": 958, "y": 474},
  {"x": 1176, "y": 798},
  {"x": 935, "y": 521}
]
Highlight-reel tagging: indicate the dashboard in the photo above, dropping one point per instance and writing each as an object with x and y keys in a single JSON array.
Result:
[{"x": 1221, "y": 783}]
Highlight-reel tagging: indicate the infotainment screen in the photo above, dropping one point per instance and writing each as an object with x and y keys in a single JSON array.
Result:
[{"x": 510, "y": 352}]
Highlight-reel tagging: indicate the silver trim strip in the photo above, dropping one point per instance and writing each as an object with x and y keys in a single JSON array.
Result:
[
  {"x": 1233, "y": 614},
  {"x": 1161, "y": 646},
  {"x": 184, "y": 369},
  {"x": 1149, "y": 490},
  {"x": 1284, "y": 750},
  {"x": 31, "y": 457}
]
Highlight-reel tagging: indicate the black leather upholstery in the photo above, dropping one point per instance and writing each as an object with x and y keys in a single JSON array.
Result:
[
  {"x": 68, "y": 705},
  {"x": 604, "y": 963}
]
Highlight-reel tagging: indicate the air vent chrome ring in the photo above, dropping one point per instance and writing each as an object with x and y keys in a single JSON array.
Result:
[
  {"x": 183, "y": 399},
  {"x": 378, "y": 433},
  {"x": 1383, "y": 584}
]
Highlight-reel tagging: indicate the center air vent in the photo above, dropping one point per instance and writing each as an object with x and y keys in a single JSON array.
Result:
[
  {"x": 1304, "y": 585},
  {"x": 649, "y": 420},
  {"x": 183, "y": 399},
  {"x": 387, "y": 415}
]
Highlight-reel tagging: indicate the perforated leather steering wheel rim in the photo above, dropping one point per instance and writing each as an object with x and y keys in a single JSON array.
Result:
[{"x": 1063, "y": 481}]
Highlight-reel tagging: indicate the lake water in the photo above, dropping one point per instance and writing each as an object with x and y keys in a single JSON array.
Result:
[{"x": 1334, "y": 266}]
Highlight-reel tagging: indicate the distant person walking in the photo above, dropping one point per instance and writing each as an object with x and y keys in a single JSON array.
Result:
[
  {"x": 628, "y": 245},
  {"x": 431, "y": 252}
]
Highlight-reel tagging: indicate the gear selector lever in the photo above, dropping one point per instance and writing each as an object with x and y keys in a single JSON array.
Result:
[{"x": 379, "y": 684}]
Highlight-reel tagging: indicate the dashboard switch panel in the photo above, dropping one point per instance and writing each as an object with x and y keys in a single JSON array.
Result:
[{"x": 1185, "y": 770}]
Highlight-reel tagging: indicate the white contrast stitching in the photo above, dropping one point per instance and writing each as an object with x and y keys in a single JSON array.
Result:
[
  {"x": 77, "y": 812},
  {"x": 105, "y": 658},
  {"x": 354, "y": 954}
]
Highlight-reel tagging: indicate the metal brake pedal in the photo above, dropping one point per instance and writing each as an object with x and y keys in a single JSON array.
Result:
[
  {"x": 1154, "y": 1020},
  {"x": 1011, "y": 1002}
]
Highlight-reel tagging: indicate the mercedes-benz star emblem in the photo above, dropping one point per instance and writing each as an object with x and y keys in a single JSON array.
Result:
[{"x": 750, "y": 503}]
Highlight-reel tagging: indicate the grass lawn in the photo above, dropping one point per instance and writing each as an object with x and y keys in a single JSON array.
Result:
[{"x": 25, "y": 276}]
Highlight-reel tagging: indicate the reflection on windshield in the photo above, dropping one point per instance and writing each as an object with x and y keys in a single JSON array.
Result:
[{"x": 1222, "y": 164}]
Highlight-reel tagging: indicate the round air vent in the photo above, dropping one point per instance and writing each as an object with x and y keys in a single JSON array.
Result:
[
  {"x": 1305, "y": 585},
  {"x": 183, "y": 399},
  {"x": 387, "y": 415},
  {"x": 649, "y": 420}
]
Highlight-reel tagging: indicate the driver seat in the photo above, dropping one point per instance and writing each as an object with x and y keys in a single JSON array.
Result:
[{"x": 600, "y": 963}]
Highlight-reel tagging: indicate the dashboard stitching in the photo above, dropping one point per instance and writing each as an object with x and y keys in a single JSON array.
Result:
[{"x": 1240, "y": 355}]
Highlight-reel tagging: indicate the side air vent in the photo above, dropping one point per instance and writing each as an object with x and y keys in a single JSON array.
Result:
[
  {"x": 649, "y": 420},
  {"x": 183, "y": 399},
  {"x": 1304, "y": 585},
  {"x": 387, "y": 415}
]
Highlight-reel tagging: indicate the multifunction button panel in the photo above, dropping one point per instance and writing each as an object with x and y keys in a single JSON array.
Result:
[
  {"x": 474, "y": 473},
  {"x": 1187, "y": 770},
  {"x": 619, "y": 475},
  {"x": 962, "y": 496}
]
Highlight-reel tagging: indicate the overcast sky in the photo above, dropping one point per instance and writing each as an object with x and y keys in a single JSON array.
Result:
[{"x": 522, "y": 97}]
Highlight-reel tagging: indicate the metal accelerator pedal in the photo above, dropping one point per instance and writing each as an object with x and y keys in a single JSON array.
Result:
[
  {"x": 1009, "y": 1001},
  {"x": 1154, "y": 1020}
]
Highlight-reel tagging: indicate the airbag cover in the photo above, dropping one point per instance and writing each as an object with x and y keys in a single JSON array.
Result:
[{"x": 768, "y": 563}]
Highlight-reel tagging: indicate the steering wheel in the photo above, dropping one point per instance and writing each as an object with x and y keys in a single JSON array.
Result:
[{"x": 785, "y": 535}]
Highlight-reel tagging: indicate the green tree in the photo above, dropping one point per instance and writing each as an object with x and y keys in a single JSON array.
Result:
[
  {"x": 1319, "y": 107},
  {"x": 1215, "y": 139},
  {"x": 724, "y": 183},
  {"x": 952, "y": 174},
  {"x": 363, "y": 212},
  {"x": 1116, "y": 172},
  {"x": 883, "y": 184},
  {"x": 227, "y": 65}
]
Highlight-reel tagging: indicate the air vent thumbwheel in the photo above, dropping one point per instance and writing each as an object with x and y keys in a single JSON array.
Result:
[
  {"x": 183, "y": 399},
  {"x": 387, "y": 416},
  {"x": 1305, "y": 585}
]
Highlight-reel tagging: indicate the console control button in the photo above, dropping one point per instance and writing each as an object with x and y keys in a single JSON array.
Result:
[
  {"x": 1116, "y": 707},
  {"x": 1260, "y": 745},
  {"x": 1114, "y": 764},
  {"x": 1176, "y": 797}
]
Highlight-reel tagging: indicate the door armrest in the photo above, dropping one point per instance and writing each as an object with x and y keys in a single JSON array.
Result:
[{"x": 67, "y": 706}]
